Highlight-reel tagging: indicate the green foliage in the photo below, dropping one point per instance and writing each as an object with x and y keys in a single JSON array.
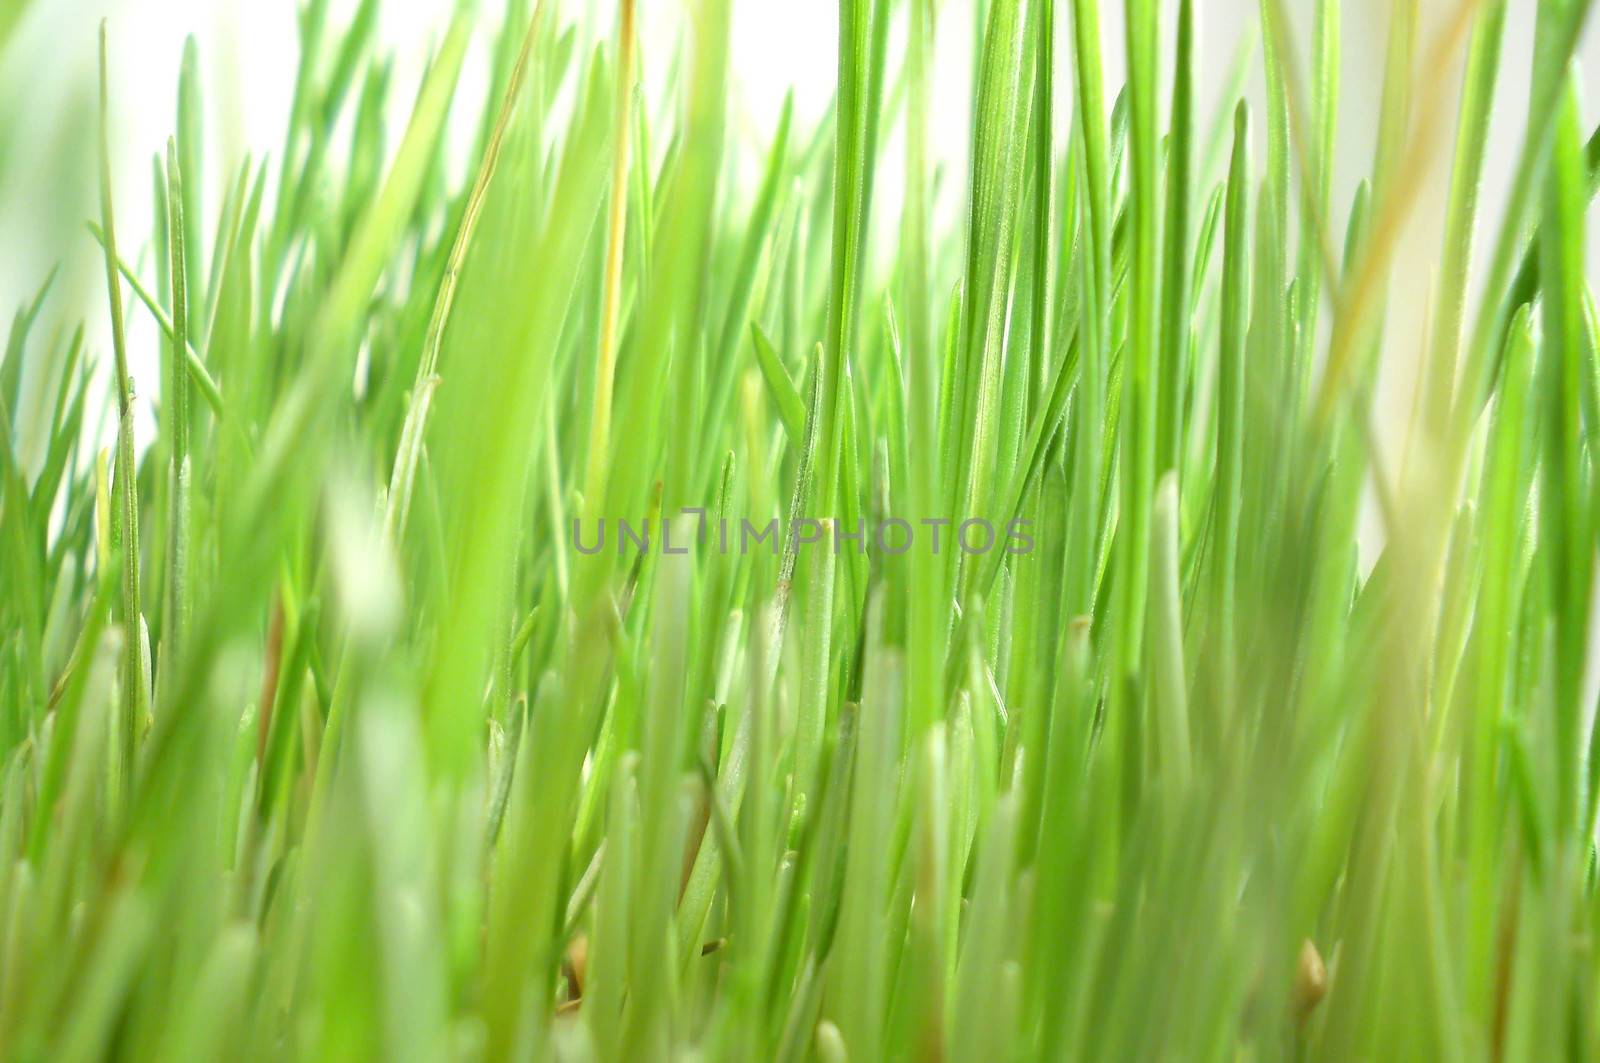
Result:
[{"x": 326, "y": 731}]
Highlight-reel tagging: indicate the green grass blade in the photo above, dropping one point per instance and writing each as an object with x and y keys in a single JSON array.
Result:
[{"x": 134, "y": 694}]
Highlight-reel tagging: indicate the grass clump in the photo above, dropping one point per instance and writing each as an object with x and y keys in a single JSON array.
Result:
[{"x": 327, "y": 731}]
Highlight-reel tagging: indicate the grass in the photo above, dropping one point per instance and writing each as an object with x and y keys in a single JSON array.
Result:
[{"x": 325, "y": 734}]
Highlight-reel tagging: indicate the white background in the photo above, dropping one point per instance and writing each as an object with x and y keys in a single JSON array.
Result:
[{"x": 249, "y": 54}]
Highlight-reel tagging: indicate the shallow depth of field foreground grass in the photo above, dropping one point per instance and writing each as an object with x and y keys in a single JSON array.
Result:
[{"x": 323, "y": 738}]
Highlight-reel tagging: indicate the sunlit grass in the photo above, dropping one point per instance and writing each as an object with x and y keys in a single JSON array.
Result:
[{"x": 327, "y": 733}]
